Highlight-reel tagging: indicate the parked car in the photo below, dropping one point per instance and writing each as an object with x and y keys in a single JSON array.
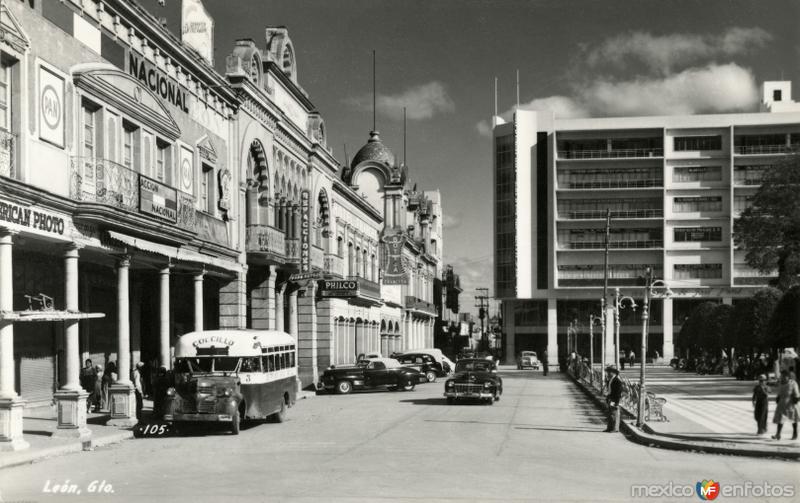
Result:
[
  {"x": 425, "y": 363},
  {"x": 474, "y": 378},
  {"x": 527, "y": 359},
  {"x": 437, "y": 354},
  {"x": 371, "y": 373}
]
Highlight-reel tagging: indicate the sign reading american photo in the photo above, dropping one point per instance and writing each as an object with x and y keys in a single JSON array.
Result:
[
  {"x": 51, "y": 107},
  {"x": 158, "y": 199}
]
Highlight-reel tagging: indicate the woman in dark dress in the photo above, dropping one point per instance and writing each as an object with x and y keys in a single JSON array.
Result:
[{"x": 761, "y": 404}]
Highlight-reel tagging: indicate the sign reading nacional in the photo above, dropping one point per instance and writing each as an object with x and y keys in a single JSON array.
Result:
[
  {"x": 158, "y": 199},
  {"x": 197, "y": 28},
  {"x": 158, "y": 82},
  {"x": 33, "y": 219},
  {"x": 305, "y": 235},
  {"x": 51, "y": 107},
  {"x": 338, "y": 288}
]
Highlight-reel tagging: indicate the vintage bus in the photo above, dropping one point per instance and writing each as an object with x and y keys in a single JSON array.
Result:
[{"x": 232, "y": 376}]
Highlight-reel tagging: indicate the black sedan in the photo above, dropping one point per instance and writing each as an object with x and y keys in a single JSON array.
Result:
[
  {"x": 474, "y": 379},
  {"x": 371, "y": 373}
]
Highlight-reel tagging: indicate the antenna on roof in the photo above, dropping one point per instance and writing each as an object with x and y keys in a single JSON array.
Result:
[
  {"x": 494, "y": 117},
  {"x": 373, "y": 90},
  {"x": 517, "y": 87},
  {"x": 404, "y": 137}
]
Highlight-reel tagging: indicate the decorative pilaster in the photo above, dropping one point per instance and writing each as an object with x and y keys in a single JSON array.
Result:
[
  {"x": 163, "y": 317},
  {"x": 279, "y": 308},
  {"x": 198, "y": 301}
]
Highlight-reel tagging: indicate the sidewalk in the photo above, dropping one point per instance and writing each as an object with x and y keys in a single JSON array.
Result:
[
  {"x": 705, "y": 413},
  {"x": 37, "y": 432}
]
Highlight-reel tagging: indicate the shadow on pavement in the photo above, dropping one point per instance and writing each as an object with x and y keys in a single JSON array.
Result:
[
  {"x": 443, "y": 401},
  {"x": 559, "y": 428}
]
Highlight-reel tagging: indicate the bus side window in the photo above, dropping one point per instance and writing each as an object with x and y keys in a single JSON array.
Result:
[
  {"x": 271, "y": 362},
  {"x": 282, "y": 359},
  {"x": 291, "y": 359}
]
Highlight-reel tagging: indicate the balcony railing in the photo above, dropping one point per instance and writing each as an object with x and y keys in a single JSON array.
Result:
[
  {"x": 367, "y": 288},
  {"x": 764, "y": 149},
  {"x": 593, "y": 245},
  {"x": 420, "y": 305},
  {"x": 610, "y": 154},
  {"x": 265, "y": 238},
  {"x": 334, "y": 265},
  {"x": 8, "y": 147},
  {"x": 599, "y": 214},
  {"x": 292, "y": 249},
  {"x": 612, "y": 184},
  {"x": 747, "y": 181},
  {"x": 106, "y": 182}
]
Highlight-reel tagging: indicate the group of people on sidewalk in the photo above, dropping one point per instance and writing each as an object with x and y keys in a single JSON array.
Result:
[
  {"x": 786, "y": 399},
  {"x": 96, "y": 381}
]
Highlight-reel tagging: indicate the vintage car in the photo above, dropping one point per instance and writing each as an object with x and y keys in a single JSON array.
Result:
[
  {"x": 425, "y": 363},
  {"x": 527, "y": 359},
  {"x": 371, "y": 373},
  {"x": 474, "y": 378}
]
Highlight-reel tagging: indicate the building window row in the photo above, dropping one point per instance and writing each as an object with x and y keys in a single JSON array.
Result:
[
  {"x": 741, "y": 203},
  {"x": 689, "y": 234},
  {"x": 619, "y": 238},
  {"x": 691, "y": 143},
  {"x": 775, "y": 143},
  {"x": 694, "y": 204},
  {"x": 620, "y": 208},
  {"x": 591, "y": 271},
  {"x": 610, "y": 178},
  {"x": 610, "y": 148},
  {"x": 697, "y": 271},
  {"x": 749, "y": 175},
  {"x": 684, "y": 174}
]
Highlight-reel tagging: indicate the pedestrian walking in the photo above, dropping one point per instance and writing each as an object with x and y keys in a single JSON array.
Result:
[
  {"x": 632, "y": 358},
  {"x": 761, "y": 404},
  {"x": 622, "y": 360},
  {"x": 786, "y": 409},
  {"x": 109, "y": 378},
  {"x": 137, "y": 388},
  {"x": 612, "y": 398},
  {"x": 96, "y": 397},
  {"x": 160, "y": 391},
  {"x": 87, "y": 377},
  {"x": 545, "y": 367}
]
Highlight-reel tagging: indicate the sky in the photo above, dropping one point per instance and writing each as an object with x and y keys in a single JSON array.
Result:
[{"x": 579, "y": 58}]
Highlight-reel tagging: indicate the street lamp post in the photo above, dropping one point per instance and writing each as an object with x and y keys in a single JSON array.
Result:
[
  {"x": 618, "y": 304},
  {"x": 592, "y": 319},
  {"x": 650, "y": 283}
]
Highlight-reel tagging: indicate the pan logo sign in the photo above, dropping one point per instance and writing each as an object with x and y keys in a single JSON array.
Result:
[{"x": 707, "y": 490}]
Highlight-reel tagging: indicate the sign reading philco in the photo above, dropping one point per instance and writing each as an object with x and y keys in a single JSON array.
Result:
[
  {"x": 28, "y": 217},
  {"x": 158, "y": 199},
  {"x": 197, "y": 28},
  {"x": 164, "y": 86},
  {"x": 394, "y": 269},
  {"x": 338, "y": 288},
  {"x": 305, "y": 234},
  {"x": 51, "y": 107}
]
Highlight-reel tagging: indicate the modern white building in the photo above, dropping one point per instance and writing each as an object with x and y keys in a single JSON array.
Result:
[{"x": 673, "y": 185}]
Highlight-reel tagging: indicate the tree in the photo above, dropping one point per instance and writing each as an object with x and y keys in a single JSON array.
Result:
[
  {"x": 693, "y": 332},
  {"x": 769, "y": 230},
  {"x": 751, "y": 318},
  {"x": 784, "y": 326}
]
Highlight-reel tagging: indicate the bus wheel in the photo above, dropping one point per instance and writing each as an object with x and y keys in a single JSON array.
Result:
[
  {"x": 235, "y": 423},
  {"x": 344, "y": 387},
  {"x": 280, "y": 416}
]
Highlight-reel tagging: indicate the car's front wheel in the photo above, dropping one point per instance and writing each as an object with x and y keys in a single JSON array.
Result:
[
  {"x": 409, "y": 386},
  {"x": 344, "y": 387},
  {"x": 430, "y": 376},
  {"x": 235, "y": 423}
]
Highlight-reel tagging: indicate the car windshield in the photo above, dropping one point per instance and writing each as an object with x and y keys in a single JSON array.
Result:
[
  {"x": 528, "y": 353},
  {"x": 474, "y": 366},
  {"x": 207, "y": 364}
]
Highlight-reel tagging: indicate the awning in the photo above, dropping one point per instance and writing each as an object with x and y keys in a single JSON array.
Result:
[
  {"x": 143, "y": 244},
  {"x": 193, "y": 256}
]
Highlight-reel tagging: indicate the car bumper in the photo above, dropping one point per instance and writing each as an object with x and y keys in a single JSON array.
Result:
[
  {"x": 463, "y": 394},
  {"x": 198, "y": 417}
]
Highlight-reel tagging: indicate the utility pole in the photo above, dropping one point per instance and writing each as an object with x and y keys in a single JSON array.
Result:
[
  {"x": 605, "y": 294},
  {"x": 482, "y": 303}
]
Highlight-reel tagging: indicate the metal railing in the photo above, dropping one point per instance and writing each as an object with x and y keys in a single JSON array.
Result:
[
  {"x": 8, "y": 147},
  {"x": 601, "y": 214},
  {"x": 106, "y": 182},
  {"x": 612, "y": 184},
  {"x": 334, "y": 264},
  {"x": 420, "y": 305},
  {"x": 265, "y": 238},
  {"x": 764, "y": 149},
  {"x": 366, "y": 287},
  {"x": 593, "y": 245},
  {"x": 611, "y": 154}
]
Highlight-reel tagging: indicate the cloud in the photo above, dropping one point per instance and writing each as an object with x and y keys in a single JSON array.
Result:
[
  {"x": 421, "y": 102},
  {"x": 452, "y": 221},
  {"x": 661, "y": 54}
]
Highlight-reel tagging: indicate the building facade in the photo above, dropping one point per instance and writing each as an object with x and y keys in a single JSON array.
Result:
[{"x": 673, "y": 187}]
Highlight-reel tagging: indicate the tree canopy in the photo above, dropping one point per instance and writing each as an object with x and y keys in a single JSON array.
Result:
[
  {"x": 769, "y": 230},
  {"x": 784, "y": 326},
  {"x": 751, "y": 318}
]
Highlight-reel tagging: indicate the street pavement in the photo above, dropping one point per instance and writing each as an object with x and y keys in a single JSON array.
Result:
[
  {"x": 707, "y": 406},
  {"x": 543, "y": 441}
]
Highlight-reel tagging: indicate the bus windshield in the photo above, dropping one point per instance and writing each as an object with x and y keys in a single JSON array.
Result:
[{"x": 207, "y": 364}]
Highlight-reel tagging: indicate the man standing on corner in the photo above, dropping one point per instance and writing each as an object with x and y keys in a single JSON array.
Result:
[
  {"x": 613, "y": 397},
  {"x": 545, "y": 366}
]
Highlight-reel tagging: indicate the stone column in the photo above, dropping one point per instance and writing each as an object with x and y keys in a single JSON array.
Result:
[
  {"x": 279, "y": 292},
  {"x": 233, "y": 301},
  {"x": 121, "y": 393},
  {"x": 71, "y": 399},
  {"x": 198, "y": 301},
  {"x": 293, "y": 322},
  {"x": 666, "y": 326},
  {"x": 306, "y": 334},
  {"x": 10, "y": 403},
  {"x": 552, "y": 333},
  {"x": 163, "y": 317}
]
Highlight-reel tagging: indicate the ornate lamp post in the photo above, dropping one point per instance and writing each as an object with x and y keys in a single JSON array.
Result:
[
  {"x": 592, "y": 319},
  {"x": 650, "y": 285},
  {"x": 619, "y": 304}
]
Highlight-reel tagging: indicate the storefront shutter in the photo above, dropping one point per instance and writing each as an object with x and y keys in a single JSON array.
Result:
[{"x": 37, "y": 375}]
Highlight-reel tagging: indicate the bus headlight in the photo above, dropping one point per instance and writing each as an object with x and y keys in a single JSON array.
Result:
[
  {"x": 170, "y": 391},
  {"x": 224, "y": 392}
]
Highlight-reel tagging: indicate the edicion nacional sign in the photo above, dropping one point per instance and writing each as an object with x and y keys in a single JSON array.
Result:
[{"x": 158, "y": 199}]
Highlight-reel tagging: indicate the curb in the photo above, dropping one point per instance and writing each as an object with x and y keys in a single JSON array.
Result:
[
  {"x": 649, "y": 437},
  {"x": 33, "y": 456}
]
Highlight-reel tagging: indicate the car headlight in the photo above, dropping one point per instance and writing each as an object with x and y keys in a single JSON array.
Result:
[
  {"x": 171, "y": 392},
  {"x": 487, "y": 385},
  {"x": 450, "y": 384}
]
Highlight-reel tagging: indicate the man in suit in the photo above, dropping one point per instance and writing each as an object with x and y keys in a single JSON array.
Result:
[{"x": 613, "y": 397}]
